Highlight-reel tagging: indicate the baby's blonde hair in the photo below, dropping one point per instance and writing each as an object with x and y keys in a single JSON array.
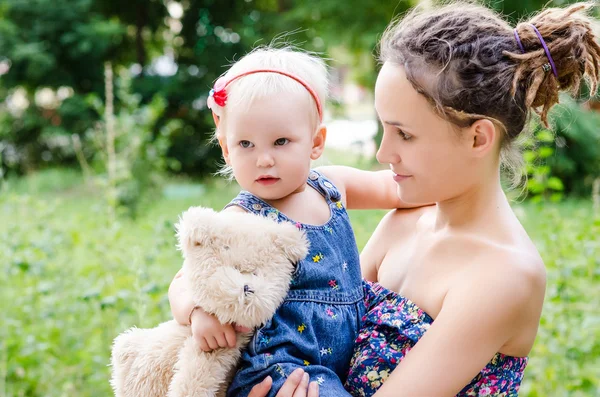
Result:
[{"x": 242, "y": 92}]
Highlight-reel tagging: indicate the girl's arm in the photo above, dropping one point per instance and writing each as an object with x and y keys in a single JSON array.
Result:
[
  {"x": 477, "y": 319},
  {"x": 365, "y": 189}
]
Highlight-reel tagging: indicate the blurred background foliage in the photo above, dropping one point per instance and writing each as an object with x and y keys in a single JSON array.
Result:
[{"x": 52, "y": 74}]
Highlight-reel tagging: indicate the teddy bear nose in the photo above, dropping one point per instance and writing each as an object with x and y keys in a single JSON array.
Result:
[{"x": 248, "y": 290}]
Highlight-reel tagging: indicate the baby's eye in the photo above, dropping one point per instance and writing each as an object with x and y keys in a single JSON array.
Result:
[
  {"x": 246, "y": 144},
  {"x": 281, "y": 141}
]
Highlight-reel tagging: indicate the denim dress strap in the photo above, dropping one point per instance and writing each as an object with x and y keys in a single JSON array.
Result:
[
  {"x": 255, "y": 205},
  {"x": 324, "y": 186}
]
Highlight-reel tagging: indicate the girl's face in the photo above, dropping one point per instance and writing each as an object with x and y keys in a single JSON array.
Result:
[
  {"x": 432, "y": 162},
  {"x": 271, "y": 143}
]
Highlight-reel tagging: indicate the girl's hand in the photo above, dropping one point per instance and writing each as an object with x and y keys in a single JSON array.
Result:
[{"x": 296, "y": 385}]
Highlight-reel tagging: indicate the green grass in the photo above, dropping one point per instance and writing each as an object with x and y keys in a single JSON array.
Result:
[{"x": 72, "y": 279}]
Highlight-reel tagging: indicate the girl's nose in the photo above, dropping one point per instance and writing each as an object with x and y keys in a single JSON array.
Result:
[{"x": 386, "y": 153}]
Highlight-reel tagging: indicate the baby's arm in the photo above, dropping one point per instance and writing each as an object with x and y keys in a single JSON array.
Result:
[
  {"x": 365, "y": 189},
  {"x": 206, "y": 329},
  {"x": 180, "y": 299}
]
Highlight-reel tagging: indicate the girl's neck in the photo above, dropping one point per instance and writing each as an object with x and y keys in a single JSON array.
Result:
[{"x": 481, "y": 207}]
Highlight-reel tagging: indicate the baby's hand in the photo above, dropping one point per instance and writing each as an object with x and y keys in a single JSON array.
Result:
[{"x": 209, "y": 333}]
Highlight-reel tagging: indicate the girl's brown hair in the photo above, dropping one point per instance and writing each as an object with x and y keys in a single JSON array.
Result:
[{"x": 466, "y": 61}]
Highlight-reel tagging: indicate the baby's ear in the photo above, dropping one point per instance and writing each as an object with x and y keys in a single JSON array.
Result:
[
  {"x": 291, "y": 241},
  {"x": 194, "y": 228}
]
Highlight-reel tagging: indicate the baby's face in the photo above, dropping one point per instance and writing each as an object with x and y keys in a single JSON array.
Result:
[{"x": 270, "y": 146}]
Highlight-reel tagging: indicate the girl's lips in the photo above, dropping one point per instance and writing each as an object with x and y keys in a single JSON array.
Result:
[
  {"x": 400, "y": 178},
  {"x": 267, "y": 180}
]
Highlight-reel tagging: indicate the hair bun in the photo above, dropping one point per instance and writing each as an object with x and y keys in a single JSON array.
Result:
[{"x": 570, "y": 38}]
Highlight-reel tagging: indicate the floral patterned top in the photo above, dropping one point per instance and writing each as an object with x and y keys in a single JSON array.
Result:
[{"x": 391, "y": 327}]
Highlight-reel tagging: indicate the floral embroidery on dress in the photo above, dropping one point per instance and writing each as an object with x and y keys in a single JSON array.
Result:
[
  {"x": 268, "y": 357},
  {"x": 331, "y": 313},
  {"x": 280, "y": 370},
  {"x": 326, "y": 351}
]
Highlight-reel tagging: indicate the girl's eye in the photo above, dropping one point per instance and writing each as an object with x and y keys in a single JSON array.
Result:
[
  {"x": 246, "y": 144},
  {"x": 281, "y": 141},
  {"x": 404, "y": 136}
]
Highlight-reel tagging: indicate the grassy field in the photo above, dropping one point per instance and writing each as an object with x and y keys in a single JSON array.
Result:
[{"x": 72, "y": 278}]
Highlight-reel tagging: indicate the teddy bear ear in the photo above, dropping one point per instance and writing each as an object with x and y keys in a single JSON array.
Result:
[
  {"x": 193, "y": 228},
  {"x": 291, "y": 241}
]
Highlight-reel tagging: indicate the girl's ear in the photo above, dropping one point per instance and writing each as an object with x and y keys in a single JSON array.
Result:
[
  {"x": 318, "y": 144},
  {"x": 483, "y": 136}
]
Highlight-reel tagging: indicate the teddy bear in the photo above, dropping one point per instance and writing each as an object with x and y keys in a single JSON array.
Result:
[{"x": 239, "y": 267}]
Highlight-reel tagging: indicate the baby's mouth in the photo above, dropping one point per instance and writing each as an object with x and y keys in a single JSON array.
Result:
[{"x": 267, "y": 180}]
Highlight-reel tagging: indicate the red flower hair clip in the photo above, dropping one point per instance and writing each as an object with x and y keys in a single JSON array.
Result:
[{"x": 219, "y": 94}]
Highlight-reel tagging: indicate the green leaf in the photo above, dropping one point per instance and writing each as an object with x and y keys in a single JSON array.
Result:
[
  {"x": 555, "y": 184},
  {"x": 534, "y": 186},
  {"x": 545, "y": 152},
  {"x": 544, "y": 136},
  {"x": 529, "y": 156}
]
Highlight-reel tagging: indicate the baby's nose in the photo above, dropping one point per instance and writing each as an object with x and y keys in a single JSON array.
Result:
[{"x": 265, "y": 160}]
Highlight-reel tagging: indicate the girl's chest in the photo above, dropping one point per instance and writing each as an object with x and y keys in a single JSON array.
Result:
[{"x": 421, "y": 270}]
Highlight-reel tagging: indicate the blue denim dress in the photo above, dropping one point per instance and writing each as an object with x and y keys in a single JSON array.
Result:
[{"x": 317, "y": 324}]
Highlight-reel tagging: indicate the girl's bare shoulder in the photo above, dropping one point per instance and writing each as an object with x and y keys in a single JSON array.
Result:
[{"x": 405, "y": 219}]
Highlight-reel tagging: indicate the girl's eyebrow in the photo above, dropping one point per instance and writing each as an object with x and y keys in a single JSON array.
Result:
[
  {"x": 397, "y": 124},
  {"x": 393, "y": 123}
]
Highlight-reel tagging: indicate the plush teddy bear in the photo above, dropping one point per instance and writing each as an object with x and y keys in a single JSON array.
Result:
[{"x": 239, "y": 267}]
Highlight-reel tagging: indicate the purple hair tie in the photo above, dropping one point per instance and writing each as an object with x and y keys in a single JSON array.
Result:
[
  {"x": 519, "y": 40},
  {"x": 539, "y": 35},
  {"x": 546, "y": 50}
]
